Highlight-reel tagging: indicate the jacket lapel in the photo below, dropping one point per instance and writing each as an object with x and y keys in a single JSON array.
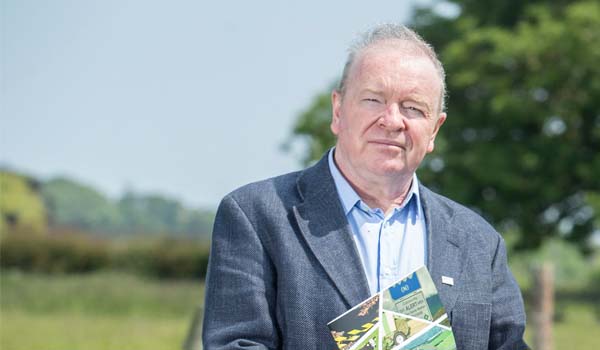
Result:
[
  {"x": 444, "y": 256},
  {"x": 327, "y": 233}
]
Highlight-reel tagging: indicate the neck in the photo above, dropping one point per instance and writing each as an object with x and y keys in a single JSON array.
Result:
[{"x": 384, "y": 192}]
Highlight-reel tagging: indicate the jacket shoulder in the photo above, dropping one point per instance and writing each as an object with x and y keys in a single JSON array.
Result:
[
  {"x": 461, "y": 217},
  {"x": 280, "y": 189}
]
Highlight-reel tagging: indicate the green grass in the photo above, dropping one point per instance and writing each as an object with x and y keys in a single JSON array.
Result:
[
  {"x": 107, "y": 310},
  {"x": 577, "y": 330},
  {"x": 59, "y": 331},
  {"x": 97, "y": 311}
]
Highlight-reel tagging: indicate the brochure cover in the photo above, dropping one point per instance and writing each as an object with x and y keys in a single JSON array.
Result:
[{"x": 407, "y": 315}]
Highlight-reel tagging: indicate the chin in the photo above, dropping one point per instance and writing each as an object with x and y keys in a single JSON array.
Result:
[{"x": 386, "y": 168}]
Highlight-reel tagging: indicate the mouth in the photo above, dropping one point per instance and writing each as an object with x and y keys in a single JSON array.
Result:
[{"x": 389, "y": 143}]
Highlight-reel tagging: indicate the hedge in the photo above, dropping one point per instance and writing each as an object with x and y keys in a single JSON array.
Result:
[{"x": 76, "y": 253}]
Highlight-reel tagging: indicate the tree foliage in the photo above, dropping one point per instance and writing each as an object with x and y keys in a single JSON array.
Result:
[
  {"x": 522, "y": 139},
  {"x": 153, "y": 213},
  {"x": 313, "y": 127},
  {"x": 21, "y": 205},
  {"x": 73, "y": 204},
  {"x": 30, "y": 205}
]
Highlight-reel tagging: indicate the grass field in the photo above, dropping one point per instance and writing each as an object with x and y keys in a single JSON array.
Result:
[
  {"x": 577, "y": 330},
  {"x": 118, "y": 311},
  {"x": 97, "y": 311}
]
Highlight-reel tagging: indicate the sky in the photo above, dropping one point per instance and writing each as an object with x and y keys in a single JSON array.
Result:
[{"x": 189, "y": 99}]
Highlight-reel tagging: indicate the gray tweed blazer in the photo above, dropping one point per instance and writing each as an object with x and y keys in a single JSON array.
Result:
[{"x": 283, "y": 264}]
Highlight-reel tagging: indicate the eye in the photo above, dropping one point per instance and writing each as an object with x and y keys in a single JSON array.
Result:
[
  {"x": 374, "y": 100},
  {"x": 413, "y": 111}
]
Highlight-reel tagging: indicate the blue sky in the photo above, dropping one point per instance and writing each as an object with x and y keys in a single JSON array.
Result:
[{"x": 190, "y": 99}]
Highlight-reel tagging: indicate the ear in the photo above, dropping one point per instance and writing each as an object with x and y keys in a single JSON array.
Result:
[
  {"x": 441, "y": 119},
  {"x": 336, "y": 103}
]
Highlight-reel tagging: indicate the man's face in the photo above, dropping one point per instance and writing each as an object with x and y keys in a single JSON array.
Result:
[{"x": 388, "y": 117}]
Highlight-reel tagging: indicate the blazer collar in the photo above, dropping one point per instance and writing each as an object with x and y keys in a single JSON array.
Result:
[
  {"x": 444, "y": 241},
  {"x": 322, "y": 222}
]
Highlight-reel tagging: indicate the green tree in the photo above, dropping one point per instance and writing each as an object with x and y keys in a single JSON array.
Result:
[
  {"x": 522, "y": 139},
  {"x": 312, "y": 126},
  {"x": 72, "y": 204},
  {"x": 199, "y": 223},
  {"x": 27, "y": 204},
  {"x": 151, "y": 213},
  {"x": 143, "y": 213},
  {"x": 21, "y": 205}
]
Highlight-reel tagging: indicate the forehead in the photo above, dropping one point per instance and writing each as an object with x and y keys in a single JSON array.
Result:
[{"x": 395, "y": 65}]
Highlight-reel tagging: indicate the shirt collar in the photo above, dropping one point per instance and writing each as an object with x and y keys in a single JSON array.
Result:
[{"x": 348, "y": 195}]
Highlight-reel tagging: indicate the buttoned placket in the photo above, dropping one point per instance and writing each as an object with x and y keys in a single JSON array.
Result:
[{"x": 390, "y": 241}]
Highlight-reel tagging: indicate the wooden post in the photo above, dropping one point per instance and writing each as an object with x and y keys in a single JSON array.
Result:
[
  {"x": 193, "y": 341},
  {"x": 543, "y": 303}
]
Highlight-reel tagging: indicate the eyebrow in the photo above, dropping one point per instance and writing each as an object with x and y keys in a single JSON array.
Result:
[{"x": 372, "y": 91}]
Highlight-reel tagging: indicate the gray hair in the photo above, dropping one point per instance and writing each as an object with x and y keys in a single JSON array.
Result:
[{"x": 386, "y": 32}]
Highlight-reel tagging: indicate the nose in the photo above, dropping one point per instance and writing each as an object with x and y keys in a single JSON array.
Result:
[{"x": 392, "y": 119}]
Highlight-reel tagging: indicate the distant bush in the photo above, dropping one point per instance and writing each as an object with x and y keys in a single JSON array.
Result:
[
  {"x": 62, "y": 254},
  {"x": 572, "y": 269},
  {"x": 163, "y": 258},
  {"x": 177, "y": 259}
]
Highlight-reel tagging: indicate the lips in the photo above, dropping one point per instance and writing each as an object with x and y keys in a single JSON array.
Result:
[{"x": 388, "y": 143}]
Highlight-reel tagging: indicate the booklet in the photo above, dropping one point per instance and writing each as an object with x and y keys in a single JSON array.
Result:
[{"x": 407, "y": 315}]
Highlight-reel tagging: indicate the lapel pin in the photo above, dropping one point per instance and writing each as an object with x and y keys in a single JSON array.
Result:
[{"x": 448, "y": 280}]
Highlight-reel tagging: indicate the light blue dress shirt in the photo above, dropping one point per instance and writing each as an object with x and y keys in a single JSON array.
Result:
[{"x": 390, "y": 246}]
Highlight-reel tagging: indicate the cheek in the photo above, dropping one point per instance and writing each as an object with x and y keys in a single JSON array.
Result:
[
  {"x": 426, "y": 140},
  {"x": 356, "y": 128},
  {"x": 417, "y": 137},
  {"x": 369, "y": 127},
  {"x": 351, "y": 127}
]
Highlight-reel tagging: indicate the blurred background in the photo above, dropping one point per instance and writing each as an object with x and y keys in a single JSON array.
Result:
[{"x": 123, "y": 123}]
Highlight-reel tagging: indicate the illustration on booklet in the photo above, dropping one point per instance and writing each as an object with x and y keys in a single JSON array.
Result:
[
  {"x": 354, "y": 324},
  {"x": 407, "y": 315},
  {"x": 415, "y": 295}
]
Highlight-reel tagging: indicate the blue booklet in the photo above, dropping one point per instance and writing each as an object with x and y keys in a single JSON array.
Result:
[{"x": 407, "y": 315}]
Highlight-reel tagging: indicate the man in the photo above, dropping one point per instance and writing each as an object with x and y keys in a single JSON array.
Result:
[{"x": 293, "y": 252}]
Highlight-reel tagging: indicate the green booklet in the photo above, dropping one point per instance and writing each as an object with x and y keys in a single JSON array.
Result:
[{"x": 407, "y": 315}]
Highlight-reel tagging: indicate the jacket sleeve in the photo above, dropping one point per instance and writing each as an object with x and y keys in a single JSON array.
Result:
[
  {"x": 240, "y": 286},
  {"x": 508, "y": 314}
]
